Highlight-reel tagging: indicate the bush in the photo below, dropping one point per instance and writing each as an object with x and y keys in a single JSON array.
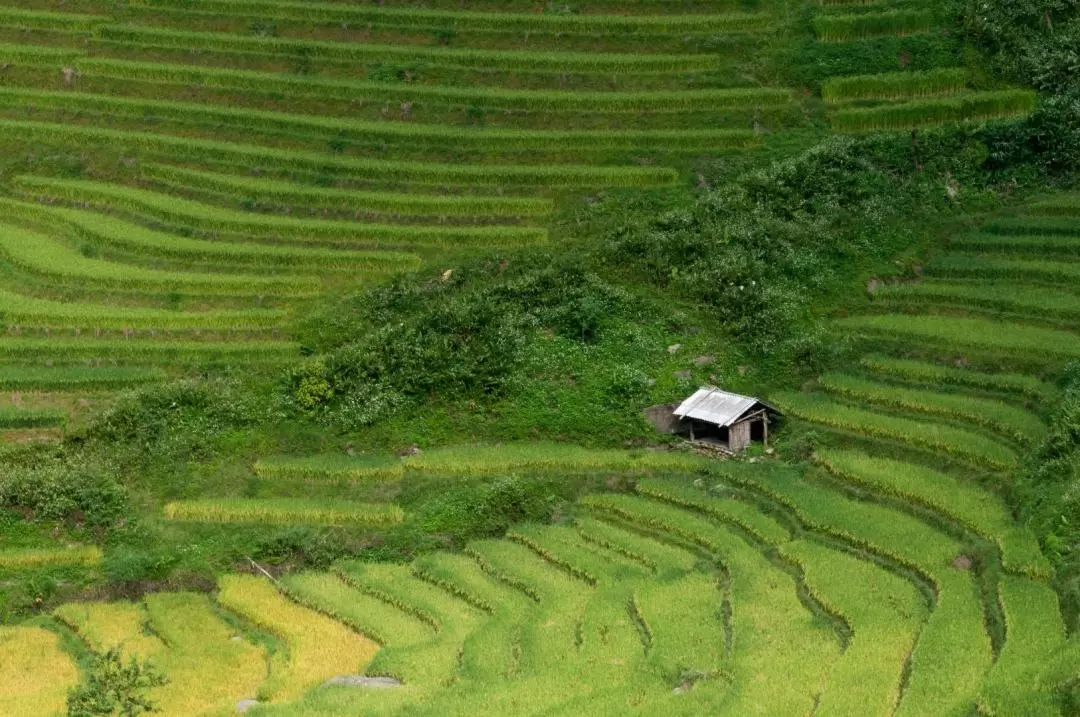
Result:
[{"x": 113, "y": 688}]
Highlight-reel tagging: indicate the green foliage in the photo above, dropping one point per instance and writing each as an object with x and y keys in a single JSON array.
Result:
[
  {"x": 115, "y": 688},
  {"x": 51, "y": 489}
]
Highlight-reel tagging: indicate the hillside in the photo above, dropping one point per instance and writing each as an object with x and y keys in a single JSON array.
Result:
[{"x": 330, "y": 330}]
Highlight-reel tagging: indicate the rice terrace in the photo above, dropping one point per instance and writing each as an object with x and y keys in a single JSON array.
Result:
[{"x": 540, "y": 357}]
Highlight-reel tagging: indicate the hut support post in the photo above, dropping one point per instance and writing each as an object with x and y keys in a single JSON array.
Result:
[{"x": 765, "y": 430}]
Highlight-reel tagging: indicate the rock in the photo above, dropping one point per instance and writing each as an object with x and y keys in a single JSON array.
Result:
[
  {"x": 413, "y": 450},
  {"x": 704, "y": 360},
  {"x": 872, "y": 285},
  {"x": 674, "y": 348},
  {"x": 244, "y": 705},
  {"x": 683, "y": 374},
  {"x": 962, "y": 562},
  {"x": 742, "y": 370},
  {"x": 770, "y": 451},
  {"x": 363, "y": 681},
  {"x": 662, "y": 418}
]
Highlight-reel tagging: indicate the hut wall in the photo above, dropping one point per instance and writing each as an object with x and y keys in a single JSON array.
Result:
[{"x": 739, "y": 436}]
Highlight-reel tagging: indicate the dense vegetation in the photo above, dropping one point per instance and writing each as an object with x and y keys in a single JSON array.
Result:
[{"x": 330, "y": 327}]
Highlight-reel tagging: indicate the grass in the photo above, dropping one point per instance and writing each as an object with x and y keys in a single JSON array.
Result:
[
  {"x": 378, "y": 620},
  {"x": 1034, "y": 633},
  {"x": 21, "y": 559},
  {"x": 953, "y": 652},
  {"x": 208, "y": 669},
  {"x": 895, "y": 85},
  {"x": 318, "y": 647},
  {"x": 430, "y": 663},
  {"x": 773, "y": 632},
  {"x": 1064, "y": 206},
  {"x": 112, "y": 625},
  {"x": 102, "y": 229},
  {"x": 974, "y": 107},
  {"x": 283, "y": 511},
  {"x": 966, "y": 333},
  {"x": 885, "y": 613},
  {"x": 542, "y": 457},
  {"x": 13, "y": 417},
  {"x": 367, "y": 54},
  {"x": 660, "y": 558},
  {"x": 564, "y": 548},
  {"x": 423, "y": 96},
  {"x": 459, "y": 20},
  {"x": 145, "y": 351},
  {"x": 834, "y": 28},
  {"x": 26, "y": 311},
  {"x": 975, "y": 508},
  {"x": 1033, "y": 226},
  {"x": 1027, "y": 299},
  {"x": 35, "y": 672},
  {"x": 730, "y": 510},
  {"x": 957, "y": 442},
  {"x": 235, "y": 187},
  {"x": 220, "y": 220},
  {"x": 159, "y": 146},
  {"x": 328, "y": 467},
  {"x": 937, "y": 374},
  {"x": 44, "y": 256},
  {"x": 375, "y": 136},
  {"x": 981, "y": 267},
  {"x": 1035, "y": 246},
  {"x": 1007, "y": 420}
]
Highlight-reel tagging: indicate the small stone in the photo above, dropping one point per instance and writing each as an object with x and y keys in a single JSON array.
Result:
[
  {"x": 770, "y": 451},
  {"x": 962, "y": 562},
  {"x": 244, "y": 705},
  {"x": 704, "y": 360},
  {"x": 674, "y": 348},
  {"x": 683, "y": 374}
]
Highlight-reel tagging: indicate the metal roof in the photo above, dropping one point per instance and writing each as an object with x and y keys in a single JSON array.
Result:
[{"x": 711, "y": 404}]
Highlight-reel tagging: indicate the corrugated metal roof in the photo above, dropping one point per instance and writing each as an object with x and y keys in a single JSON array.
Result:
[{"x": 715, "y": 406}]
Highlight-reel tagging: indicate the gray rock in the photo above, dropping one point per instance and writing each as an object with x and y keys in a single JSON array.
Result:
[
  {"x": 704, "y": 360},
  {"x": 244, "y": 705},
  {"x": 683, "y": 374},
  {"x": 674, "y": 348},
  {"x": 362, "y": 681},
  {"x": 662, "y": 418}
]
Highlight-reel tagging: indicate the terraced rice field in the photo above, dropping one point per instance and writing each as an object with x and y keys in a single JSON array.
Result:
[
  {"x": 236, "y": 161},
  {"x": 920, "y": 81},
  {"x": 243, "y": 157}
]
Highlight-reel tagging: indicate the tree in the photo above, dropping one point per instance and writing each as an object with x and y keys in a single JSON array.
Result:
[{"x": 113, "y": 688}]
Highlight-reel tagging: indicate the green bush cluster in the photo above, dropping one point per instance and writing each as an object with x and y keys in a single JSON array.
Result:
[{"x": 464, "y": 335}]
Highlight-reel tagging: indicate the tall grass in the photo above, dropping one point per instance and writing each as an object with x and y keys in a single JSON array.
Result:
[
  {"x": 219, "y": 220},
  {"x": 885, "y": 613},
  {"x": 729, "y": 510},
  {"x": 365, "y": 53},
  {"x": 833, "y": 28},
  {"x": 82, "y": 378},
  {"x": 329, "y": 467},
  {"x": 958, "y": 442},
  {"x": 595, "y": 102},
  {"x": 318, "y": 647},
  {"x": 42, "y": 255},
  {"x": 953, "y": 652},
  {"x": 217, "y": 256},
  {"x": 895, "y": 85},
  {"x": 977, "y": 509},
  {"x": 24, "y": 558},
  {"x": 1010, "y": 421},
  {"x": 974, "y": 107},
  {"x": 29, "y": 312},
  {"x": 971, "y": 265},
  {"x": 159, "y": 146},
  {"x": 269, "y": 127},
  {"x": 1034, "y": 633},
  {"x": 374, "y": 618},
  {"x": 930, "y": 373},
  {"x": 205, "y": 663},
  {"x": 774, "y": 630},
  {"x": 1064, "y": 206},
  {"x": 473, "y": 21},
  {"x": 964, "y": 334},
  {"x": 12, "y": 417},
  {"x": 35, "y": 672},
  {"x": 1033, "y": 226},
  {"x": 1035, "y": 246},
  {"x": 62, "y": 351},
  {"x": 1032, "y": 300},
  {"x": 283, "y": 511},
  {"x": 393, "y": 203}
]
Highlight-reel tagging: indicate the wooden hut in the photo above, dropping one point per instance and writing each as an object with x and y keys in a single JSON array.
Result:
[{"x": 726, "y": 420}]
